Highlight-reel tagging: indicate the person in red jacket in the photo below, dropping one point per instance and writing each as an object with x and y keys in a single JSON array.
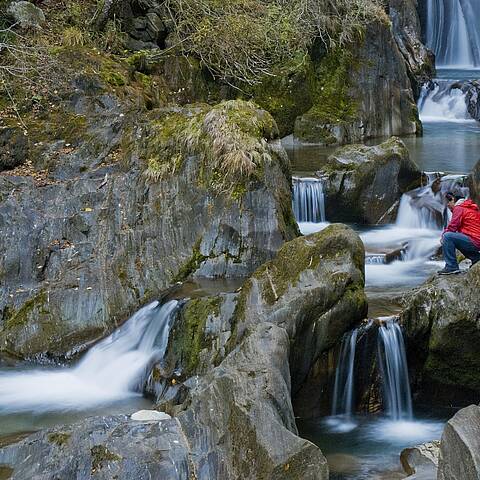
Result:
[{"x": 462, "y": 233}]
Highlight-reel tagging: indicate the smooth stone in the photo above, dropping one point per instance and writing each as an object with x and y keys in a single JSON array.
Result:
[{"x": 150, "y": 416}]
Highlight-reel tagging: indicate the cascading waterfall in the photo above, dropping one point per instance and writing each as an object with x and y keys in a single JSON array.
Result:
[
  {"x": 308, "y": 200},
  {"x": 394, "y": 371},
  {"x": 452, "y": 32},
  {"x": 343, "y": 393},
  {"x": 443, "y": 101},
  {"x": 112, "y": 370}
]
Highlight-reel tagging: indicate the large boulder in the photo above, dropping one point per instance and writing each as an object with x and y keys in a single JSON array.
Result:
[
  {"x": 363, "y": 92},
  {"x": 442, "y": 337},
  {"x": 363, "y": 184},
  {"x": 471, "y": 90},
  {"x": 136, "y": 216},
  {"x": 474, "y": 183},
  {"x": 233, "y": 363},
  {"x": 460, "y": 446}
]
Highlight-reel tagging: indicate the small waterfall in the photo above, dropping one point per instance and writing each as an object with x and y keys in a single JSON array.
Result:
[
  {"x": 452, "y": 32},
  {"x": 112, "y": 370},
  {"x": 443, "y": 101},
  {"x": 343, "y": 393},
  {"x": 308, "y": 200},
  {"x": 394, "y": 371}
]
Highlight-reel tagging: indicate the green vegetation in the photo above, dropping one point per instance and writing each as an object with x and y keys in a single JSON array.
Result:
[
  {"x": 59, "y": 438},
  {"x": 243, "y": 40},
  {"x": 101, "y": 455},
  {"x": 230, "y": 139}
]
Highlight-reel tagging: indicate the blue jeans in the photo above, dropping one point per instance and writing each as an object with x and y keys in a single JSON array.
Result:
[{"x": 458, "y": 241}]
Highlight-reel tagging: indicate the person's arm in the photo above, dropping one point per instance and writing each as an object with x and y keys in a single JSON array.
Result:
[{"x": 456, "y": 221}]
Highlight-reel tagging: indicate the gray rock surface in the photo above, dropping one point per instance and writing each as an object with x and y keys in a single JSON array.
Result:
[
  {"x": 102, "y": 448},
  {"x": 380, "y": 93},
  {"x": 421, "y": 460},
  {"x": 442, "y": 337},
  {"x": 472, "y": 97},
  {"x": 86, "y": 238},
  {"x": 460, "y": 446},
  {"x": 26, "y": 14},
  {"x": 363, "y": 184},
  {"x": 407, "y": 30},
  {"x": 473, "y": 183},
  {"x": 244, "y": 354}
]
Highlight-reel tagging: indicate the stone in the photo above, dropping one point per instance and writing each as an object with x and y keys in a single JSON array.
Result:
[
  {"x": 471, "y": 90},
  {"x": 473, "y": 183},
  {"x": 103, "y": 448},
  {"x": 442, "y": 335},
  {"x": 375, "y": 98},
  {"x": 13, "y": 148},
  {"x": 149, "y": 416},
  {"x": 73, "y": 270},
  {"x": 421, "y": 459},
  {"x": 363, "y": 184},
  {"x": 26, "y": 14},
  {"x": 460, "y": 446},
  {"x": 407, "y": 30}
]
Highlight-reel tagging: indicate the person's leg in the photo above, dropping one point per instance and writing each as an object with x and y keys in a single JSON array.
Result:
[
  {"x": 449, "y": 250},
  {"x": 467, "y": 247}
]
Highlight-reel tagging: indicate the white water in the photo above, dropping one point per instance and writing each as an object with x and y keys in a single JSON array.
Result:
[
  {"x": 439, "y": 102},
  {"x": 112, "y": 370},
  {"x": 343, "y": 394},
  {"x": 394, "y": 371},
  {"x": 453, "y": 33},
  {"x": 308, "y": 200}
]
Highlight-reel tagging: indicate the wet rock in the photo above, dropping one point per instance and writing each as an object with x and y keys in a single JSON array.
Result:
[
  {"x": 363, "y": 184},
  {"x": 442, "y": 337},
  {"x": 473, "y": 183},
  {"x": 26, "y": 14},
  {"x": 421, "y": 459},
  {"x": 407, "y": 30},
  {"x": 13, "y": 148},
  {"x": 102, "y": 448},
  {"x": 149, "y": 416},
  {"x": 75, "y": 269},
  {"x": 460, "y": 446},
  {"x": 374, "y": 99},
  {"x": 472, "y": 98}
]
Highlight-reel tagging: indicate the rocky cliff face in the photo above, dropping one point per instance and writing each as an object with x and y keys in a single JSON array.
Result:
[
  {"x": 442, "y": 335},
  {"x": 238, "y": 358},
  {"x": 474, "y": 183},
  {"x": 407, "y": 29},
  {"x": 90, "y": 236}
]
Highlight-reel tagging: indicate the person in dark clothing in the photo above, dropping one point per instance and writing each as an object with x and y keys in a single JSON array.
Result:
[{"x": 462, "y": 233}]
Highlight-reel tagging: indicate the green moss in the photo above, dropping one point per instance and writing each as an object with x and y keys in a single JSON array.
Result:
[
  {"x": 115, "y": 79},
  {"x": 189, "y": 337},
  {"x": 192, "y": 265},
  {"x": 59, "y": 438},
  {"x": 20, "y": 318},
  {"x": 6, "y": 472},
  {"x": 101, "y": 455}
]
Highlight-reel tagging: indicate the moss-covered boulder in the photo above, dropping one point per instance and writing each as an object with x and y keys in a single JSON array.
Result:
[
  {"x": 13, "y": 148},
  {"x": 442, "y": 337},
  {"x": 364, "y": 184}
]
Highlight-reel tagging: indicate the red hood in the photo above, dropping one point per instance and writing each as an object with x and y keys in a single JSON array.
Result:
[{"x": 468, "y": 204}]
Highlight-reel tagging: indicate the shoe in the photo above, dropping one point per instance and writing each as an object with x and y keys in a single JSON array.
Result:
[{"x": 449, "y": 271}]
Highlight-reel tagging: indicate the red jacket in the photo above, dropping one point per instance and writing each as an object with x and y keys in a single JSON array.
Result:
[{"x": 466, "y": 220}]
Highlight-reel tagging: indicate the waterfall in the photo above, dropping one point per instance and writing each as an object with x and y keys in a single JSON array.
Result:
[
  {"x": 343, "y": 393},
  {"x": 394, "y": 371},
  {"x": 443, "y": 101},
  {"x": 112, "y": 370},
  {"x": 308, "y": 200},
  {"x": 452, "y": 32}
]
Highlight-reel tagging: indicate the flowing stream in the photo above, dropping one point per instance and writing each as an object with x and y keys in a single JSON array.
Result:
[{"x": 110, "y": 374}]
